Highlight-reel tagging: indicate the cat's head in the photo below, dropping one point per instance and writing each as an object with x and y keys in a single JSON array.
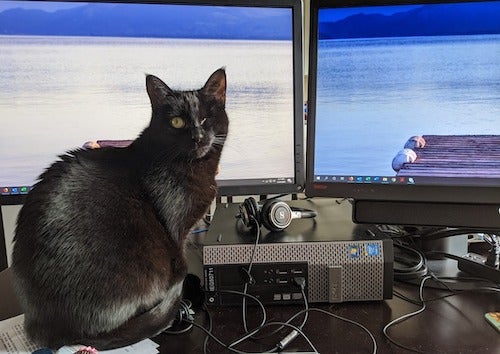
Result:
[{"x": 189, "y": 123}]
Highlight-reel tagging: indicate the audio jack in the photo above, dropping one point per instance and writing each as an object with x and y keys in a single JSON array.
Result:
[{"x": 287, "y": 340}]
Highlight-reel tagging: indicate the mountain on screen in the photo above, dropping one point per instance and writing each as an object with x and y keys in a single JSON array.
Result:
[
  {"x": 428, "y": 20},
  {"x": 164, "y": 21}
]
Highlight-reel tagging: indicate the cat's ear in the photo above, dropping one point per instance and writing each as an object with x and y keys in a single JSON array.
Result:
[
  {"x": 216, "y": 86},
  {"x": 157, "y": 90}
]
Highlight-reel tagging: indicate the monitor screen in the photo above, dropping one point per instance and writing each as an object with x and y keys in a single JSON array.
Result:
[
  {"x": 74, "y": 72},
  {"x": 404, "y": 103}
]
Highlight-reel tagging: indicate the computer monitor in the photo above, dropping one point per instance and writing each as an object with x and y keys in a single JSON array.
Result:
[
  {"x": 404, "y": 110},
  {"x": 73, "y": 72}
]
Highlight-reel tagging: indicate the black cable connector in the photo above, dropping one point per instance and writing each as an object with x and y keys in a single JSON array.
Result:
[
  {"x": 300, "y": 281},
  {"x": 247, "y": 276},
  {"x": 493, "y": 258},
  {"x": 476, "y": 265}
]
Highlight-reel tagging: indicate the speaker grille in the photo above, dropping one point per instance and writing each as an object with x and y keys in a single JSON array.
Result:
[{"x": 362, "y": 264}]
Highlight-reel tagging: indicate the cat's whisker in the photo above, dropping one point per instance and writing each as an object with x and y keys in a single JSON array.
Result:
[{"x": 218, "y": 141}]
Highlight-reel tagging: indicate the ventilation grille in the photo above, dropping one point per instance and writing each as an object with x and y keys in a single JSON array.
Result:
[{"x": 362, "y": 264}]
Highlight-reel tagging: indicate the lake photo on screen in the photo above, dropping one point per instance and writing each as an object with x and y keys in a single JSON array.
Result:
[
  {"x": 380, "y": 83},
  {"x": 63, "y": 85}
]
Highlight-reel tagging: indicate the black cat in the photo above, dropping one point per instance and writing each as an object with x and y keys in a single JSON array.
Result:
[{"x": 99, "y": 247}]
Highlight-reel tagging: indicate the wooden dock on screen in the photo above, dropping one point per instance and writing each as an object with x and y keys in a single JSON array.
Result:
[{"x": 456, "y": 156}]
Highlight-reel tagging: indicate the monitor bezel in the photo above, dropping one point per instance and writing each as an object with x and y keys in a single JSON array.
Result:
[
  {"x": 245, "y": 187},
  {"x": 369, "y": 191}
]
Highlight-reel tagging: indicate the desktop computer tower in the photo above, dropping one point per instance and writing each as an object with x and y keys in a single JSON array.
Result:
[{"x": 336, "y": 259}]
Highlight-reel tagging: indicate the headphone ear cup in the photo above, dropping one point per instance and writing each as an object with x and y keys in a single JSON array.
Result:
[
  {"x": 249, "y": 210},
  {"x": 276, "y": 215}
]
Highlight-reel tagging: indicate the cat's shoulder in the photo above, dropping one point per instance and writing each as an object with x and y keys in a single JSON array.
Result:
[
  {"x": 107, "y": 156},
  {"x": 88, "y": 163}
]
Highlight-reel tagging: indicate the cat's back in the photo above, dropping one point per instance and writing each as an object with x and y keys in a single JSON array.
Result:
[
  {"x": 78, "y": 170},
  {"x": 79, "y": 184},
  {"x": 86, "y": 202}
]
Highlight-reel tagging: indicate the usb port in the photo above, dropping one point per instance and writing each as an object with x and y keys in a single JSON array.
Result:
[
  {"x": 281, "y": 271},
  {"x": 281, "y": 281},
  {"x": 296, "y": 271}
]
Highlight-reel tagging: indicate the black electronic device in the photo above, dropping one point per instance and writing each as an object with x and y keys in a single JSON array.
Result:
[
  {"x": 274, "y": 214},
  {"x": 271, "y": 283},
  {"x": 339, "y": 260},
  {"x": 403, "y": 110},
  {"x": 73, "y": 72}
]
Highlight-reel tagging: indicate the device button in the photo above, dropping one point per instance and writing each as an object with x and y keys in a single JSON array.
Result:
[
  {"x": 287, "y": 296},
  {"x": 277, "y": 297}
]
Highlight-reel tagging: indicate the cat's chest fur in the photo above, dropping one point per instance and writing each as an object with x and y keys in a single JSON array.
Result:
[{"x": 177, "y": 194}]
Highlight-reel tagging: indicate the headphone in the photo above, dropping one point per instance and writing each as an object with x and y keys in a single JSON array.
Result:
[{"x": 274, "y": 214}]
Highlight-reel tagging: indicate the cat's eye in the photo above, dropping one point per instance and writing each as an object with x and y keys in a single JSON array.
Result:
[{"x": 177, "y": 122}]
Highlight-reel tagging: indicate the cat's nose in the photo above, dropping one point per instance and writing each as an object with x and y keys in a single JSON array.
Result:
[{"x": 197, "y": 135}]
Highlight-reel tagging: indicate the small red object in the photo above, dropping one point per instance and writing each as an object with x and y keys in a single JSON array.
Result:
[{"x": 86, "y": 350}]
